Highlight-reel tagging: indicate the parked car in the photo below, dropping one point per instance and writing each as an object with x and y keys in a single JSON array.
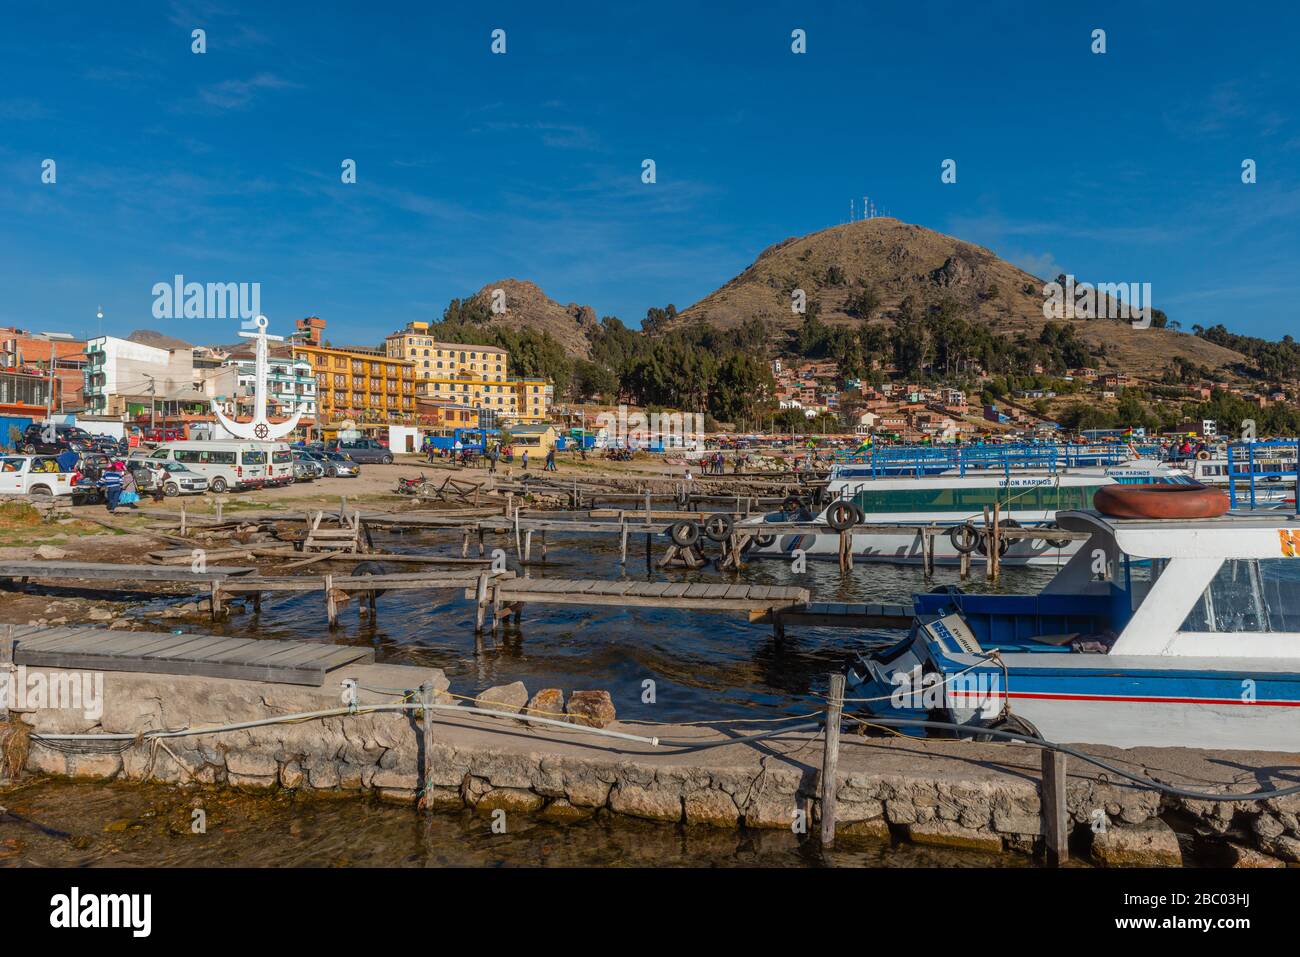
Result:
[
  {"x": 336, "y": 464},
  {"x": 51, "y": 438},
  {"x": 306, "y": 469},
  {"x": 279, "y": 468},
  {"x": 226, "y": 465},
  {"x": 34, "y": 475},
  {"x": 363, "y": 451},
  {"x": 177, "y": 480}
]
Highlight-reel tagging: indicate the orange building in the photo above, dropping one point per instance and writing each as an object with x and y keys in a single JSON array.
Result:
[{"x": 32, "y": 353}]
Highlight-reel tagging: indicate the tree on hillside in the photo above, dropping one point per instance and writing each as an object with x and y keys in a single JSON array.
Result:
[{"x": 472, "y": 311}]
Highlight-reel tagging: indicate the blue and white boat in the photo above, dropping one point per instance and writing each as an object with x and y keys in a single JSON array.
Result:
[
  {"x": 1028, "y": 493},
  {"x": 1163, "y": 633}
]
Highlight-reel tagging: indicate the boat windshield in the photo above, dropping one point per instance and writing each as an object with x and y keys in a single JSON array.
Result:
[{"x": 1249, "y": 595}]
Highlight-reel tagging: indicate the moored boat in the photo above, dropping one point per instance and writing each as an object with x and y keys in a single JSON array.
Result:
[{"x": 1163, "y": 633}]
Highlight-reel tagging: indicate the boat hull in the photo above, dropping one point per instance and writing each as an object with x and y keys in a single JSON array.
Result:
[{"x": 902, "y": 549}]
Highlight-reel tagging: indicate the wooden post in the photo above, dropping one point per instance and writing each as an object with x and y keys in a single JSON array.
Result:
[
  {"x": 542, "y": 534},
  {"x": 1056, "y": 835},
  {"x": 647, "y": 505},
  {"x": 622, "y": 540},
  {"x": 965, "y": 565},
  {"x": 426, "y": 706},
  {"x": 988, "y": 545},
  {"x": 6, "y": 664},
  {"x": 995, "y": 547},
  {"x": 519, "y": 550},
  {"x": 464, "y": 544},
  {"x": 220, "y": 503},
  {"x": 216, "y": 599},
  {"x": 831, "y": 757},
  {"x": 480, "y": 599},
  {"x": 528, "y": 545},
  {"x": 924, "y": 542},
  {"x": 331, "y": 606},
  {"x": 482, "y": 546},
  {"x": 649, "y": 559},
  {"x": 183, "y": 518}
]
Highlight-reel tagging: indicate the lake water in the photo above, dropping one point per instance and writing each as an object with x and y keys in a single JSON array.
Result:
[{"x": 704, "y": 667}]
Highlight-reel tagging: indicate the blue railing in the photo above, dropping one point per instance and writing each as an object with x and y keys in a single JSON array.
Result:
[
  {"x": 1261, "y": 467},
  {"x": 933, "y": 460}
]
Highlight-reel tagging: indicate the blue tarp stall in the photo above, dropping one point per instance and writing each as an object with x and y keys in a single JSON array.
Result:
[{"x": 7, "y": 424}]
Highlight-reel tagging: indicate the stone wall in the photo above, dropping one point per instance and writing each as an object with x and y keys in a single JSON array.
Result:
[{"x": 958, "y": 794}]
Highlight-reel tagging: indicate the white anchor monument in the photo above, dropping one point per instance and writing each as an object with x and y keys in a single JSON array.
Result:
[{"x": 259, "y": 429}]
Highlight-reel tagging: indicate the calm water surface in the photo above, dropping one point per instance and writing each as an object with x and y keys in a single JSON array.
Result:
[{"x": 705, "y": 667}]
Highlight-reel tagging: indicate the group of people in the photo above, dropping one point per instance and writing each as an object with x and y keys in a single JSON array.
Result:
[
  {"x": 716, "y": 464},
  {"x": 121, "y": 486}
]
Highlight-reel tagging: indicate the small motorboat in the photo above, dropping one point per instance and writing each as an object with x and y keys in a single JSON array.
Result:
[{"x": 1180, "y": 632}]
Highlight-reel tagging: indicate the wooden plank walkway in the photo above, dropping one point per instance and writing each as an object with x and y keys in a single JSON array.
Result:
[
  {"x": 826, "y": 614},
  {"x": 691, "y": 597},
  {"x": 111, "y": 571},
  {"x": 152, "y": 652}
]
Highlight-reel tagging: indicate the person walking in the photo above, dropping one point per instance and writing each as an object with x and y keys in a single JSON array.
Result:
[
  {"x": 157, "y": 480},
  {"x": 493, "y": 454},
  {"x": 111, "y": 483},
  {"x": 130, "y": 490},
  {"x": 525, "y": 460},
  {"x": 550, "y": 461}
]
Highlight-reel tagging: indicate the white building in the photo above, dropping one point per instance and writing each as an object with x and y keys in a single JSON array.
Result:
[
  {"x": 290, "y": 380},
  {"x": 130, "y": 378}
]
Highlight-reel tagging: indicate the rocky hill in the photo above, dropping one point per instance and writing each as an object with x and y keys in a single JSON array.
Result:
[
  {"x": 883, "y": 261},
  {"x": 526, "y": 306}
]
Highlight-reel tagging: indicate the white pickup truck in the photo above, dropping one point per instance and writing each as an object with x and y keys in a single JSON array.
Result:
[{"x": 30, "y": 475}]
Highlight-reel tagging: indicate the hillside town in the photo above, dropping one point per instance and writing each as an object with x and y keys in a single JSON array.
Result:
[
  {"x": 416, "y": 386},
  {"x": 161, "y": 388}
]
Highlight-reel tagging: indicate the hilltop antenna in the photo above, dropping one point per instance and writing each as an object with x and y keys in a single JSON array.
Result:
[{"x": 850, "y": 209}]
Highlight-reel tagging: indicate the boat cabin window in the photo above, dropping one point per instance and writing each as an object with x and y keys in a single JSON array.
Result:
[
  {"x": 1250, "y": 595},
  {"x": 1047, "y": 496}
]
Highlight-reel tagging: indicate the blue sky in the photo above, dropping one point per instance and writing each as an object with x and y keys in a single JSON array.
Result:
[{"x": 474, "y": 167}]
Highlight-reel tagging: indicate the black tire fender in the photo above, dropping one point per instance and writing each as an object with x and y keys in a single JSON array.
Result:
[
  {"x": 965, "y": 538},
  {"x": 840, "y": 516},
  {"x": 684, "y": 534},
  {"x": 718, "y": 527},
  {"x": 1055, "y": 542}
]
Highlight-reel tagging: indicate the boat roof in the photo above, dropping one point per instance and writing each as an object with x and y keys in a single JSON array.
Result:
[{"x": 1235, "y": 535}]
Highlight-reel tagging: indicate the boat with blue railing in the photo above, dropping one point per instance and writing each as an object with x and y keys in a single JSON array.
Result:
[
  {"x": 1180, "y": 632},
  {"x": 898, "y": 487},
  {"x": 1254, "y": 474}
]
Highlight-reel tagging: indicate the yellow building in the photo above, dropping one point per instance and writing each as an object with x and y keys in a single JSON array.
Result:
[
  {"x": 478, "y": 376},
  {"x": 360, "y": 384}
]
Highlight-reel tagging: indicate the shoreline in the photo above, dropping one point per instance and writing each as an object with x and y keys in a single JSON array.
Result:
[{"x": 955, "y": 794}]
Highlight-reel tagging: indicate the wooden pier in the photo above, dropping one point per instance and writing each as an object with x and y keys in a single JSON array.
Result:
[{"x": 152, "y": 652}]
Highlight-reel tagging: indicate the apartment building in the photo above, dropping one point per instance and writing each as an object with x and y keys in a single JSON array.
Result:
[
  {"x": 126, "y": 378},
  {"x": 291, "y": 380},
  {"x": 472, "y": 375},
  {"x": 33, "y": 353},
  {"x": 364, "y": 385}
]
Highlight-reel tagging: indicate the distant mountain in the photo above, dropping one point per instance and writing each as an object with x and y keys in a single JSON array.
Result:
[
  {"x": 883, "y": 261},
  {"x": 527, "y": 307},
  {"x": 151, "y": 337}
]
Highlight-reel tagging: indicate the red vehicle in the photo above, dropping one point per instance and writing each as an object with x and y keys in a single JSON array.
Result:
[{"x": 163, "y": 435}]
